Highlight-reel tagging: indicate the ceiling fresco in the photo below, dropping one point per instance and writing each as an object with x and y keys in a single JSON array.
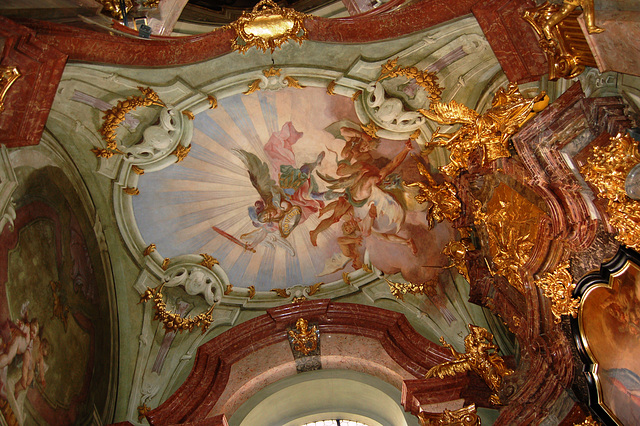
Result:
[{"x": 274, "y": 188}]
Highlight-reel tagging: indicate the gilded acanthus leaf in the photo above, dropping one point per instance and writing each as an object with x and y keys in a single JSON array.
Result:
[
  {"x": 313, "y": 289},
  {"x": 252, "y": 291},
  {"x": 330, "y": 87},
  {"x": 292, "y": 82},
  {"x": 282, "y": 292},
  {"x": 425, "y": 79},
  {"x": 150, "y": 249},
  {"x": 208, "y": 261},
  {"x": 253, "y": 86}
]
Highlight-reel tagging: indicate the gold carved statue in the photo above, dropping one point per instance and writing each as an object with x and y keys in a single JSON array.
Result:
[
  {"x": 465, "y": 416},
  {"x": 565, "y": 10},
  {"x": 491, "y": 130},
  {"x": 173, "y": 321},
  {"x": 606, "y": 169},
  {"x": 561, "y": 38},
  {"x": 477, "y": 358},
  {"x": 304, "y": 339},
  {"x": 444, "y": 204}
]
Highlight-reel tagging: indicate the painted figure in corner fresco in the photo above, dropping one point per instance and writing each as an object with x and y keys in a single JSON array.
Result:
[{"x": 363, "y": 198}]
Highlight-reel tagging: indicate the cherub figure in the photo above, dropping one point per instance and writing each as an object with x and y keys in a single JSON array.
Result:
[
  {"x": 33, "y": 358},
  {"x": 477, "y": 358}
]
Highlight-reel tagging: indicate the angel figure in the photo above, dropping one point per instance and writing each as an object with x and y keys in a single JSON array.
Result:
[
  {"x": 491, "y": 130},
  {"x": 288, "y": 195},
  {"x": 477, "y": 358}
]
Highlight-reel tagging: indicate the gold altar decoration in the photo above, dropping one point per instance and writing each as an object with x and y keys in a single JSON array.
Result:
[
  {"x": 606, "y": 170},
  {"x": 114, "y": 116},
  {"x": 444, "y": 204},
  {"x": 208, "y": 261},
  {"x": 181, "y": 152},
  {"x": 477, "y": 358},
  {"x": 400, "y": 289},
  {"x": 171, "y": 320},
  {"x": 457, "y": 253},
  {"x": 8, "y": 76},
  {"x": 304, "y": 339},
  {"x": 511, "y": 223},
  {"x": 558, "y": 287},
  {"x": 268, "y": 27},
  {"x": 561, "y": 38},
  {"x": 426, "y": 79},
  {"x": 491, "y": 131},
  {"x": 465, "y": 416}
]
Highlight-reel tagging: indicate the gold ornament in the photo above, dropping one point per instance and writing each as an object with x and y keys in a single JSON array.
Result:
[
  {"x": 558, "y": 287},
  {"x": 165, "y": 263},
  {"x": 561, "y": 38},
  {"x": 252, "y": 291},
  {"x": 112, "y": 7},
  {"x": 606, "y": 169},
  {"x": 444, "y": 204},
  {"x": 457, "y": 253},
  {"x": 173, "y": 321},
  {"x": 268, "y": 27},
  {"x": 490, "y": 131},
  {"x": 137, "y": 170},
  {"x": 208, "y": 261},
  {"x": 425, "y": 79},
  {"x": 228, "y": 290},
  {"x": 150, "y": 249},
  {"x": 400, "y": 289},
  {"x": 477, "y": 358},
  {"x": 588, "y": 421},
  {"x": 188, "y": 114},
  {"x": 213, "y": 102},
  {"x": 304, "y": 340},
  {"x": 356, "y": 95},
  {"x": 181, "y": 152},
  {"x": 330, "y": 87},
  {"x": 8, "y": 76},
  {"x": 131, "y": 190},
  {"x": 465, "y": 416},
  {"x": 114, "y": 116},
  {"x": 292, "y": 82}
]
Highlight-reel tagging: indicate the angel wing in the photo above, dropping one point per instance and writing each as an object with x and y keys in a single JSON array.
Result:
[
  {"x": 450, "y": 113},
  {"x": 338, "y": 183},
  {"x": 258, "y": 170},
  {"x": 450, "y": 368}
]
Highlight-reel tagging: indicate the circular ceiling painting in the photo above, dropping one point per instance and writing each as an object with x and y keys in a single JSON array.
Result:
[{"x": 287, "y": 188}]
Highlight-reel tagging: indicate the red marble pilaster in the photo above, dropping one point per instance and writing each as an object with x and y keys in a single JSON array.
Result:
[
  {"x": 29, "y": 99},
  {"x": 512, "y": 39}
]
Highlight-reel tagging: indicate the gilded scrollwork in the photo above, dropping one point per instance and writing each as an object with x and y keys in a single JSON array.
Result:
[
  {"x": 480, "y": 357},
  {"x": 8, "y": 76},
  {"x": 465, "y": 416},
  {"x": 588, "y": 421},
  {"x": 606, "y": 170},
  {"x": 298, "y": 293},
  {"x": 558, "y": 287},
  {"x": 171, "y": 320},
  {"x": 399, "y": 289},
  {"x": 490, "y": 131},
  {"x": 273, "y": 79},
  {"x": 444, "y": 203},
  {"x": 114, "y": 116},
  {"x": 303, "y": 338},
  {"x": 267, "y": 27}
]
